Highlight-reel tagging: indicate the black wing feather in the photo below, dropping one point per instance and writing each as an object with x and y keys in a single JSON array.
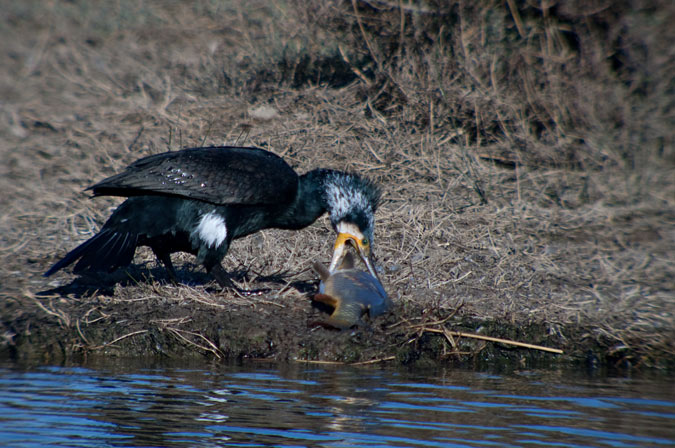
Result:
[
  {"x": 219, "y": 175},
  {"x": 105, "y": 251}
]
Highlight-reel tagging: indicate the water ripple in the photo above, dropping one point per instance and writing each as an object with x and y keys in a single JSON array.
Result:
[{"x": 252, "y": 406}]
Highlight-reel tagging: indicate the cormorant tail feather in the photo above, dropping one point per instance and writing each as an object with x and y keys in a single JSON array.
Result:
[{"x": 105, "y": 251}]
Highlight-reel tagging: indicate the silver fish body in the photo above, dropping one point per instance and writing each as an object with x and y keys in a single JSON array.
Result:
[{"x": 352, "y": 293}]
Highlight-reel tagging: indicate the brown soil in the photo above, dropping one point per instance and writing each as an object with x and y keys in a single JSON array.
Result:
[{"x": 526, "y": 156}]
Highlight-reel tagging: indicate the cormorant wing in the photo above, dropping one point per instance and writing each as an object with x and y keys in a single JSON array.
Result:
[{"x": 219, "y": 175}]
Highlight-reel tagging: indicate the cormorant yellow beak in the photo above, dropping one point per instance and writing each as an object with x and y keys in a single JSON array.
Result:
[{"x": 352, "y": 236}]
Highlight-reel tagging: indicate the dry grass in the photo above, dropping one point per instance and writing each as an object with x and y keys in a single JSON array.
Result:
[{"x": 526, "y": 153}]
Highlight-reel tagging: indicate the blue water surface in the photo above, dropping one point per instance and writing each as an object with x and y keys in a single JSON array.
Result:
[{"x": 145, "y": 404}]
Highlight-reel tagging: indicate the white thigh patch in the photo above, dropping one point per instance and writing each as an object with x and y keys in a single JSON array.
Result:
[{"x": 212, "y": 229}]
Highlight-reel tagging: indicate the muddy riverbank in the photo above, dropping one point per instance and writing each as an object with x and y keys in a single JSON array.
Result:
[{"x": 525, "y": 156}]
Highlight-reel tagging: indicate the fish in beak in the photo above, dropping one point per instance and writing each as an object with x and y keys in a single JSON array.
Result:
[
  {"x": 351, "y": 293},
  {"x": 349, "y": 234}
]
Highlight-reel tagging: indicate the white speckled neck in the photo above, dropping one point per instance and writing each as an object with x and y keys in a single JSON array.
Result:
[{"x": 345, "y": 195}]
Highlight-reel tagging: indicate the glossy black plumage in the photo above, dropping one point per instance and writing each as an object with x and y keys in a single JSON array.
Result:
[
  {"x": 198, "y": 200},
  {"x": 218, "y": 175}
]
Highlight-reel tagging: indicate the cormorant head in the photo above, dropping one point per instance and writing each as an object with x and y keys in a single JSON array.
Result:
[{"x": 352, "y": 201}]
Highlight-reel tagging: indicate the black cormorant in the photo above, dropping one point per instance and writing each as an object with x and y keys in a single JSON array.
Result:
[{"x": 198, "y": 200}]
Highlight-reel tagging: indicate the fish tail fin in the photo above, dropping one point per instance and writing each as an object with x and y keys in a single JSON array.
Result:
[{"x": 322, "y": 270}]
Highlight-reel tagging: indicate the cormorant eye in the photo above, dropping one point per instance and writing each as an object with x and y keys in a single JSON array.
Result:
[{"x": 364, "y": 242}]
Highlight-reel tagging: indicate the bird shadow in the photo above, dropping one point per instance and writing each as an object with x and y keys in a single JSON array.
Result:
[{"x": 87, "y": 284}]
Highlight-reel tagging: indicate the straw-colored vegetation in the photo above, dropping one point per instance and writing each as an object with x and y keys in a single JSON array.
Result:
[{"x": 525, "y": 149}]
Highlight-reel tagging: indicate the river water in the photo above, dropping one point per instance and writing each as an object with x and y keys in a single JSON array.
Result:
[{"x": 144, "y": 404}]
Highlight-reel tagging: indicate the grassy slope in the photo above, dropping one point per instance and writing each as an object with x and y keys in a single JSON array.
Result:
[{"x": 527, "y": 157}]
